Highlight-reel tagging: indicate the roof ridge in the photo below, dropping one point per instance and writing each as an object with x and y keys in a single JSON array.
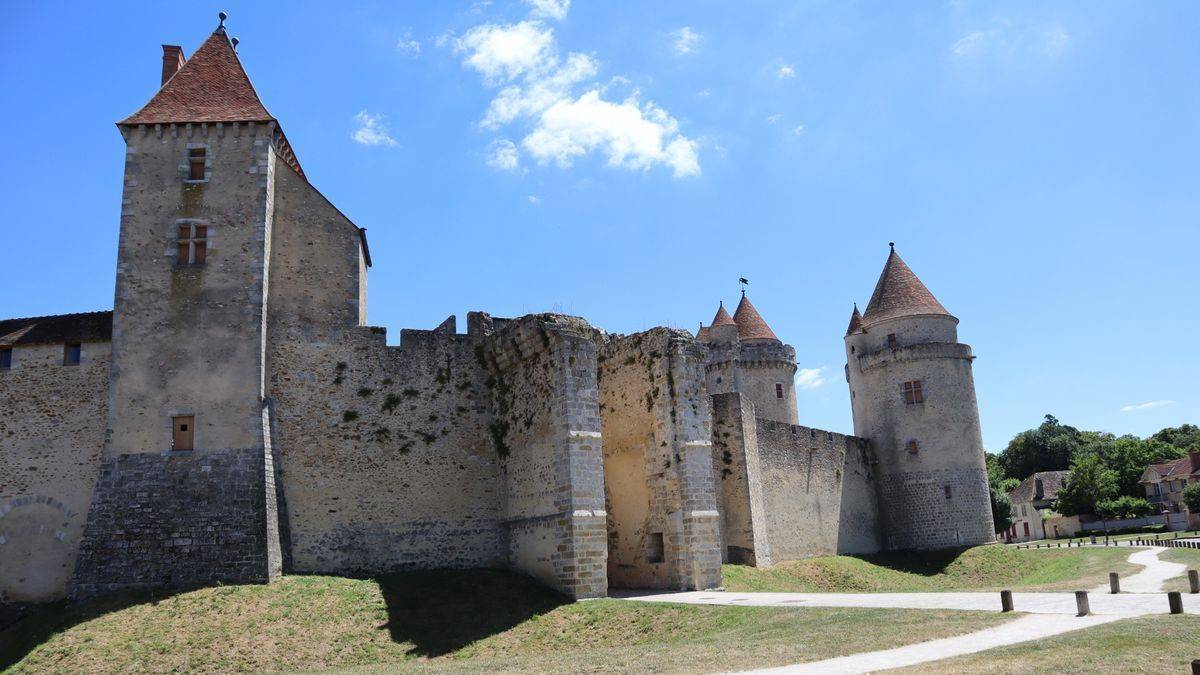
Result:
[{"x": 56, "y": 316}]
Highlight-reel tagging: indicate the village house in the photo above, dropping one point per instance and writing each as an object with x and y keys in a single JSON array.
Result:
[
  {"x": 1164, "y": 483},
  {"x": 1034, "y": 495}
]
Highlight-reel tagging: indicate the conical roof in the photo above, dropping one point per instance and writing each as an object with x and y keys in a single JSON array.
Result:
[
  {"x": 211, "y": 86},
  {"x": 722, "y": 317},
  {"x": 856, "y": 321},
  {"x": 750, "y": 323},
  {"x": 900, "y": 293}
]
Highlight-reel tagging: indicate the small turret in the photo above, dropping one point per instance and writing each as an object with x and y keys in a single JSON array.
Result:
[
  {"x": 744, "y": 355},
  {"x": 856, "y": 321}
]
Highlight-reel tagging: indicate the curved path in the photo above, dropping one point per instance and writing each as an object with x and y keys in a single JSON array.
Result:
[{"x": 1046, "y": 614}]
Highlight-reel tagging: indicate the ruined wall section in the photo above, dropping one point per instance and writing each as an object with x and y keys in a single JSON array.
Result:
[
  {"x": 738, "y": 476},
  {"x": 51, "y": 434},
  {"x": 663, "y": 527},
  {"x": 859, "y": 525},
  {"x": 546, "y": 429}
]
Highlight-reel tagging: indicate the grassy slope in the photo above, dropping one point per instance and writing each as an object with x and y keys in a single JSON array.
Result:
[
  {"x": 482, "y": 620},
  {"x": 1189, "y": 557},
  {"x": 976, "y": 569},
  {"x": 1151, "y": 644}
]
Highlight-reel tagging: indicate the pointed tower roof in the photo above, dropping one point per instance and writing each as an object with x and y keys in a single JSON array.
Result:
[
  {"x": 900, "y": 293},
  {"x": 211, "y": 86},
  {"x": 856, "y": 321},
  {"x": 750, "y": 323},
  {"x": 722, "y": 317}
]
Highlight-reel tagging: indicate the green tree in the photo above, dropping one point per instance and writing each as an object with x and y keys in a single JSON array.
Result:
[
  {"x": 1002, "y": 508},
  {"x": 1124, "y": 507},
  {"x": 1128, "y": 456},
  {"x": 1088, "y": 483},
  {"x": 1191, "y": 497},
  {"x": 1185, "y": 437},
  {"x": 1050, "y": 447}
]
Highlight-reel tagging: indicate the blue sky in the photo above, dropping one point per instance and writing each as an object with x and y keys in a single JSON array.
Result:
[{"x": 1036, "y": 163}]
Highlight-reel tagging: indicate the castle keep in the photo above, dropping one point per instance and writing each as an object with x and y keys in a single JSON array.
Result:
[{"x": 233, "y": 417}]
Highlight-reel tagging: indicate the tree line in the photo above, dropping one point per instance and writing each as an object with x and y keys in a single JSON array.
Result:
[{"x": 1105, "y": 468}]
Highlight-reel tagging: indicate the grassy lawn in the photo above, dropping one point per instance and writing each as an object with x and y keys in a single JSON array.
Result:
[
  {"x": 480, "y": 621},
  {"x": 977, "y": 569},
  {"x": 1189, "y": 557},
  {"x": 1151, "y": 644}
]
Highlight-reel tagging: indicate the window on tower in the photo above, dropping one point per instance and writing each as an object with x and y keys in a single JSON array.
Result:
[
  {"x": 912, "y": 392},
  {"x": 192, "y": 244},
  {"x": 778, "y": 390},
  {"x": 197, "y": 161},
  {"x": 891, "y": 338},
  {"x": 913, "y": 447}
]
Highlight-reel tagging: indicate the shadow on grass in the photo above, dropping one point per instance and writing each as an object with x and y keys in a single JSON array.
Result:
[
  {"x": 923, "y": 563},
  {"x": 442, "y": 611}
]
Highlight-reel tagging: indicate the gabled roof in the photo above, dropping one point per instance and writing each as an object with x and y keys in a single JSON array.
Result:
[
  {"x": 900, "y": 293},
  {"x": 750, "y": 323},
  {"x": 1184, "y": 466},
  {"x": 1051, "y": 482},
  {"x": 722, "y": 317},
  {"x": 211, "y": 86},
  {"x": 85, "y": 327},
  {"x": 855, "y": 321}
]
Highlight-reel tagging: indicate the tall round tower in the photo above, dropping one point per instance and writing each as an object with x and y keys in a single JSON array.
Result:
[
  {"x": 745, "y": 356},
  {"x": 913, "y": 397}
]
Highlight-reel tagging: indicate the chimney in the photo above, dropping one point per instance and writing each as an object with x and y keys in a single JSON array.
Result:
[
  {"x": 1039, "y": 492},
  {"x": 172, "y": 61},
  {"x": 1194, "y": 455}
]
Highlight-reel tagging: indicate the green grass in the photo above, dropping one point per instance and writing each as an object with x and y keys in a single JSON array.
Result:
[
  {"x": 478, "y": 620},
  {"x": 1151, "y": 644},
  {"x": 976, "y": 569},
  {"x": 1187, "y": 556}
]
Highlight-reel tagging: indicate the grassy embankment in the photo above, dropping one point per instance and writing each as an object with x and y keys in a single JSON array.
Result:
[
  {"x": 977, "y": 569},
  {"x": 478, "y": 621}
]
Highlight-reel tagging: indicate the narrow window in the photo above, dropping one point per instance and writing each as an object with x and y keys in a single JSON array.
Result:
[
  {"x": 778, "y": 390},
  {"x": 1026, "y": 529},
  {"x": 183, "y": 432},
  {"x": 912, "y": 392},
  {"x": 891, "y": 340},
  {"x": 655, "y": 547},
  {"x": 912, "y": 447},
  {"x": 196, "y": 163},
  {"x": 5, "y": 358},
  {"x": 72, "y": 351},
  {"x": 192, "y": 244},
  {"x": 948, "y": 494}
]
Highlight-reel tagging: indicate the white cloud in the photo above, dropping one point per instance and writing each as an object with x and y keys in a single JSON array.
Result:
[
  {"x": 703, "y": 93},
  {"x": 785, "y": 72},
  {"x": 537, "y": 90},
  {"x": 799, "y": 130},
  {"x": 371, "y": 130},
  {"x": 686, "y": 41},
  {"x": 772, "y": 119},
  {"x": 535, "y": 200},
  {"x": 1009, "y": 43},
  {"x": 1134, "y": 407},
  {"x": 409, "y": 46},
  {"x": 549, "y": 9},
  {"x": 503, "y": 155},
  {"x": 810, "y": 378}
]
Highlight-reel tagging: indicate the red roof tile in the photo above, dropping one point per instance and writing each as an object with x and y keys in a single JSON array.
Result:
[
  {"x": 211, "y": 86},
  {"x": 86, "y": 327},
  {"x": 855, "y": 321},
  {"x": 750, "y": 323},
  {"x": 900, "y": 293},
  {"x": 722, "y": 317},
  {"x": 1175, "y": 467}
]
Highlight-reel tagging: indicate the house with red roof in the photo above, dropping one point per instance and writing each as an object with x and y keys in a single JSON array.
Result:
[{"x": 1164, "y": 483}]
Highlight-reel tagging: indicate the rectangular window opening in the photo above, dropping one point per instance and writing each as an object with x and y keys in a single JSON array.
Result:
[
  {"x": 655, "y": 547},
  {"x": 912, "y": 392},
  {"x": 183, "y": 432},
  {"x": 778, "y": 390},
  {"x": 949, "y": 494},
  {"x": 891, "y": 338},
  {"x": 192, "y": 244},
  {"x": 196, "y": 163},
  {"x": 912, "y": 447},
  {"x": 72, "y": 352},
  {"x": 5, "y": 358}
]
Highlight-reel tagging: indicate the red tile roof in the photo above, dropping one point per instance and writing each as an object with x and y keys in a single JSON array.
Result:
[
  {"x": 211, "y": 86},
  {"x": 722, "y": 317},
  {"x": 900, "y": 293},
  {"x": 750, "y": 323},
  {"x": 1182, "y": 466},
  {"x": 85, "y": 327},
  {"x": 855, "y": 321}
]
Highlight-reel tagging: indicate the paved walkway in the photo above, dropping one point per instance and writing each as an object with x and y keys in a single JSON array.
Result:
[{"x": 1047, "y": 614}]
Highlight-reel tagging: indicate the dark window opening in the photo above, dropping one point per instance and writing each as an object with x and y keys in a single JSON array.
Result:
[
  {"x": 72, "y": 352},
  {"x": 192, "y": 244},
  {"x": 948, "y": 494},
  {"x": 196, "y": 163},
  {"x": 891, "y": 340},
  {"x": 851, "y": 349},
  {"x": 655, "y": 547},
  {"x": 778, "y": 390},
  {"x": 912, "y": 392},
  {"x": 913, "y": 447},
  {"x": 5, "y": 358},
  {"x": 183, "y": 432}
]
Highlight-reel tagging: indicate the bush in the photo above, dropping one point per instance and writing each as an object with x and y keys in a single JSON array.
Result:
[
  {"x": 1191, "y": 497},
  {"x": 1123, "y": 508}
]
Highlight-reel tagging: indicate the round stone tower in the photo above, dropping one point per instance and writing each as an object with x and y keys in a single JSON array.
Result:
[
  {"x": 745, "y": 356},
  {"x": 913, "y": 397}
]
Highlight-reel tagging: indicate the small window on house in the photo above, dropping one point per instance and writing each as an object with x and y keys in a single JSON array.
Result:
[
  {"x": 913, "y": 447},
  {"x": 912, "y": 392},
  {"x": 72, "y": 352},
  {"x": 778, "y": 390},
  {"x": 196, "y": 163},
  {"x": 948, "y": 493},
  {"x": 891, "y": 340},
  {"x": 192, "y": 244},
  {"x": 183, "y": 432},
  {"x": 5, "y": 358},
  {"x": 655, "y": 547}
]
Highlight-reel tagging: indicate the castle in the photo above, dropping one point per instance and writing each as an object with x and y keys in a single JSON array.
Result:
[{"x": 234, "y": 417}]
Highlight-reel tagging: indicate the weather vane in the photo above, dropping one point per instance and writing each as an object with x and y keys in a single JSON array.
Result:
[{"x": 744, "y": 282}]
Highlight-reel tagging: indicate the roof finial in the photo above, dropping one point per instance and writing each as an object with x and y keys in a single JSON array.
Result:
[
  {"x": 892, "y": 245},
  {"x": 234, "y": 42},
  {"x": 222, "y": 16},
  {"x": 744, "y": 282}
]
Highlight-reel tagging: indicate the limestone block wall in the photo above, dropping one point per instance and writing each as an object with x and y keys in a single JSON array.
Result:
[
  {"x": 663, "y": 526},
  {"x": 52, "y": 420},
  {"x": 860, "y": 528},
  {"x": 738, "y": 476},
  {"x": 546, "y": 429}
]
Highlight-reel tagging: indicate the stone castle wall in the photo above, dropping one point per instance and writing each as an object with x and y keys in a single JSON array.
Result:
[{"x": 52, "y": 421}]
